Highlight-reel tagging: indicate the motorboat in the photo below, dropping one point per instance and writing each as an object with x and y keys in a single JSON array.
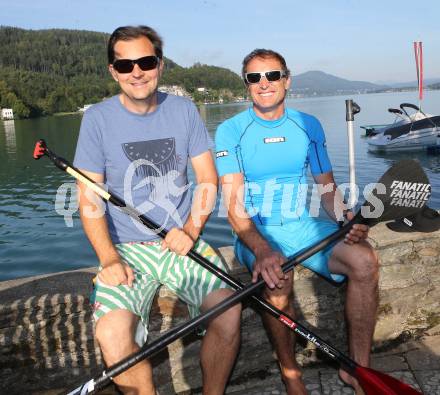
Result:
[
  {"x": 415, "y": 132},
  {"x": 409, "y": 132},
  {"x": 401, "y": 118}
]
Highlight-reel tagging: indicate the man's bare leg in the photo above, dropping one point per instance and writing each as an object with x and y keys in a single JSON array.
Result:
[
  {"x": 360, "y": 264},
  {"x": 220, "y": 344},
  {"x": 282, "y": 338},
  {"x": 115, "y": 335}
]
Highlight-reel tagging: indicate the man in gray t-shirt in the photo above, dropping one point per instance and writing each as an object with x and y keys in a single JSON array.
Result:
[{"x": 139, "y": 143}]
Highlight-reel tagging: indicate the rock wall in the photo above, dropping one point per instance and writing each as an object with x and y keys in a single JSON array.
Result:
[{"x": 46, "y": 332}]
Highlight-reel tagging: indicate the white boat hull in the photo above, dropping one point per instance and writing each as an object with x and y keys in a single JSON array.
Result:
[{"x": 413, "y": 141}]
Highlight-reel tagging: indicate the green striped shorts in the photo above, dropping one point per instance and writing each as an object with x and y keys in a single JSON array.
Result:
[{"x": 152, "y": 268}]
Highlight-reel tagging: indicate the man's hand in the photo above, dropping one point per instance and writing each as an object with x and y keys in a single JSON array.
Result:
[
  {"x": 268, "y": 265},
  {"x": 178, "y": 241},
  {"x": 357, "y": 233},
  {"x": 116, "y": 273}
]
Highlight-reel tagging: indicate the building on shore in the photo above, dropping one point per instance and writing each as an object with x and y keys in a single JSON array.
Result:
[
  {"x": 7, "y": 113},
  {"x": 86, "y": 107},
  {"x": 174, "y": 90}
]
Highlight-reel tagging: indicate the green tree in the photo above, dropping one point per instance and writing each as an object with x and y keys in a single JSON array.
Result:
[{"x": 54, "y": 70}]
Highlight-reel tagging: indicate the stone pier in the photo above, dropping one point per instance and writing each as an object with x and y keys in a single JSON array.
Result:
[{"x": 47, "y": 344}]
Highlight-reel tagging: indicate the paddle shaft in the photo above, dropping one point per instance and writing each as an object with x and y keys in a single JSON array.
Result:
[
  {"x": 344, "y": 360},
  {"x": 351, "y": 109},
  {"x": 372, "y": 382},
  {"x": 151, "y": 349},
  {"x": 302, "y": 331}
]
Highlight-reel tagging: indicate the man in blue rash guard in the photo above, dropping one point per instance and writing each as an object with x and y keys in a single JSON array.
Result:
[{"x": 263, "y": 155}]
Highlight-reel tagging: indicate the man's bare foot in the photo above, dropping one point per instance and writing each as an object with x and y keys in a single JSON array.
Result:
[
  {"x": 295, "y": 387},
  {"x": 351, "y": 381},
  {"x": 293, "y": 381}
]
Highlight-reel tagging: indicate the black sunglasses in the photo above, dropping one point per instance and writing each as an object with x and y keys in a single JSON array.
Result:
[
  {"x": 127, "y": 65},
  {"x": 271, "y": 76}
]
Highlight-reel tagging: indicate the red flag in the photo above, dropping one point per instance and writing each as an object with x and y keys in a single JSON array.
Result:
[{"x": 418, "y": 52}]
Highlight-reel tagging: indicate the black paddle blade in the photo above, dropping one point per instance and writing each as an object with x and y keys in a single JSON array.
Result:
[
  {"x": 402, "y": 191},
  {"x": 40, "y": 149},
  {"x": 378, "y": 383}
]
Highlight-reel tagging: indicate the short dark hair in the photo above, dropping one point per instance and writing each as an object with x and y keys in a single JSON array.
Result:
[
  {"x": 127, "y": 33},
  {"x": 264, "y": 53}
]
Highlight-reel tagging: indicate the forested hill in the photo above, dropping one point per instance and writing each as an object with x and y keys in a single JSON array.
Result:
[
  {"x": 322, "y": 83},
  {"x": 49, "y": 71}
]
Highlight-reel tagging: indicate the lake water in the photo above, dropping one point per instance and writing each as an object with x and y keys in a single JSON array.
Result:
[{"x": 36, "y": 239}]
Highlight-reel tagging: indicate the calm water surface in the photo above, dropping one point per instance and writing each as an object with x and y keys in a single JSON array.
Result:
[{"x": 34, "y": 237}]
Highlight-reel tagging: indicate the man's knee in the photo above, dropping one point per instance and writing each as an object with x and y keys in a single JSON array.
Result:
[
  {"x": 115, "y": 335},
  {"x": 280, "y": 300},
  {"x": 280, "y": 297},
  {"x": 227, "y": 325},
  {"x": 365, "y": 268}
]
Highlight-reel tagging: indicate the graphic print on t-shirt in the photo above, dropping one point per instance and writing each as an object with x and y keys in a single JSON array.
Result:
[
  {"x": 160, "y": 152},
  {"x": 154, "y": 166}
]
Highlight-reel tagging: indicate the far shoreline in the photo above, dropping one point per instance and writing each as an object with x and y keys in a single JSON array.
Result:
[{"x": 290, "y": 96}]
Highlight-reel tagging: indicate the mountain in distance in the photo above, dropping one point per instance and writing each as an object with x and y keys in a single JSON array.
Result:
[{"x": 320, "y": 83}]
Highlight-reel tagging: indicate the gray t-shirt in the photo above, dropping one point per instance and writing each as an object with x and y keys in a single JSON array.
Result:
[{"x": 144, "y": 160}]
